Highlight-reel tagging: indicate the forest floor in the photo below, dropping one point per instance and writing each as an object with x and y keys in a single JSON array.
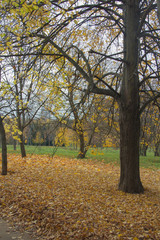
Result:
[{"x": 68, "y": 199}]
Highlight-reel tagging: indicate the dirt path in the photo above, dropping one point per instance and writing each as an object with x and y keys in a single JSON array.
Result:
[{"x": 9, "y": 233}]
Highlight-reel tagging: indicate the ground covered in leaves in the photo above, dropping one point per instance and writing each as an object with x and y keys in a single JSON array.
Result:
[{"x": 64, "y": 199}]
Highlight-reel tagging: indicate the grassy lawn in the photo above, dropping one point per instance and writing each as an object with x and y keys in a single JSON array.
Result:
[{"x": 106, "y": 155}]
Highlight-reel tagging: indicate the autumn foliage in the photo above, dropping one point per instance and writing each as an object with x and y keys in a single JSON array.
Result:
[{"x": 64, "y": 198}]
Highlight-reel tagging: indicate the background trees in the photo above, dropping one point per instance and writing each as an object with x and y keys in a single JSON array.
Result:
[
  {"x": 22, "y": 99},
  {"x": 24, "y": 92},
  {"x": 84, "y": 112}
]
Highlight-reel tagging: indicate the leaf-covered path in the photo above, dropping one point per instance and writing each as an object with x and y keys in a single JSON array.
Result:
[
  {"x": 8, "y": 232},
  {"x": 64, "y": 199}
]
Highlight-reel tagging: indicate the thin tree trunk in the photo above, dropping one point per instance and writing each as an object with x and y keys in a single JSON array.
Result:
[
  {"x": 156, "y": 153},
  {"x": 129, "y": 105},
  {"x": 157, "y": 150},
  {"x": 143, "y": 150},
  {"x": 22, "y": 146},
  {"x": 4, "y": 148},
  {"x": 83, "y": 150},
  {"x": 14, "y": 145}
]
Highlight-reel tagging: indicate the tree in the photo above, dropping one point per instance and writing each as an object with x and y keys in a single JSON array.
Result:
[
  {"x": 24, "y": 96},
  {"x": 42, "y": 130},
  {"x": 146, "y": 130},
  {"x": 150, "y": 131},
  {"x": 128, "y": 32},
  {"x": 4, "y": 147},
  {"x": 77, "y": 111},
  {"x": 155, "y": 129},
  {"x": 80, "y": 106}
]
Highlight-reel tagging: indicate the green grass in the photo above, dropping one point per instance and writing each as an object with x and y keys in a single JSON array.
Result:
[
  {"x": 106, "y": 155},
  {"x": 150, "y": 161}
]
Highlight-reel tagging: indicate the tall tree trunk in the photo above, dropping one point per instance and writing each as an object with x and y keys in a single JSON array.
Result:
[
  {"x": 129, "y": 104},
  {"x": 4, "y": 148},
  {"x": 129, "y": 150},
  {"x": 22, "y": 146}
]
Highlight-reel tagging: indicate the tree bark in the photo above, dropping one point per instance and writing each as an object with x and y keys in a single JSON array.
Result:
[
  {"x": 22, "y": 146},
  {"x": 83, "y": 150},
  {"x": 157, "y": 150},
  {"x": 129, "y": 150},
  {"x": 143, "y": 150},
  {"x": 4, "y": 148},
  {"x": 156, "y": 153},
  {"x": 14, "y": 145},
  {"x": 129, "y": 105}
]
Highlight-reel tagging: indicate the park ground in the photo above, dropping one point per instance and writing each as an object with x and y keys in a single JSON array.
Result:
[
  {"x": 9, "y": 232},
  {"x": 65, "y": 198}
]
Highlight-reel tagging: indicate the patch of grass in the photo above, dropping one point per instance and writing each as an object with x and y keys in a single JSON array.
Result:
[
  {"x": 106, "y": 155},
  {"x": 41, "y": 150},
  {"x": 150, "y": 161}
]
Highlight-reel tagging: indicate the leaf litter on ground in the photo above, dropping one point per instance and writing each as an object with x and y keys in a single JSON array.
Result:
[{"x": 63, "y": 199}]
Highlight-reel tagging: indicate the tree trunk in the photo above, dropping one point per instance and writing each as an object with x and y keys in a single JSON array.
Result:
[
  {"x": 22, "y": 146},
  {"x": 14, "y": 145},
  {"x": 156, "y": 153},
  {"x": 143, "y": 150},
  {"x": 129, "y": 104},
  {"x": 83, "y": 150},
  {"x": 157, "y": 150},
  {"x": 129, "y": 150},
  {"x": 4, "y": 148}
]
